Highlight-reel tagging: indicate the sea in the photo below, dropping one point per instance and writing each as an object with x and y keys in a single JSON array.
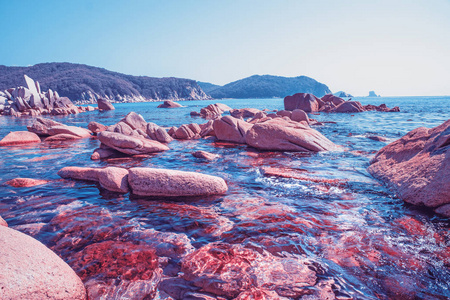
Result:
[{"x": 347, "y": 226}]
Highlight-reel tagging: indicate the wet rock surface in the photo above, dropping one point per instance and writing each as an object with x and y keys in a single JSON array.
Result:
[
  {"x": 19, "y": 138},
  {"x": 417, "y": 166}
]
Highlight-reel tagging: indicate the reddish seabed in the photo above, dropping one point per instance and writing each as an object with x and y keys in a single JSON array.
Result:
[{"x": 292, "y": 225}]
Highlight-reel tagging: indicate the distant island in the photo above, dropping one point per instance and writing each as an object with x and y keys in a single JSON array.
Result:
[
  {"x": 266, "y": 86},
  {"x": 372, "y": 94},
  {"x": 82, "y": 82},
  {"x": 342, "y": 94}
]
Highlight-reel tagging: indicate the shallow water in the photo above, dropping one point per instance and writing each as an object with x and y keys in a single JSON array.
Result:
[{"x": 331, "y": 214}]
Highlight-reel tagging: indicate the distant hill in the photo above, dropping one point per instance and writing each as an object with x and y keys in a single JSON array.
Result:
[
  {"x": 208, "y": 87},
  {"x": 268, "y": 86},
  {"x": 82, "y": 82}
]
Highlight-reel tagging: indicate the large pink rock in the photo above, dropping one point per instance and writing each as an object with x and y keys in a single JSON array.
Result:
[
  {"x": 158, "y": 133},
  {"x": 104, "y": 104},
  {"x": 281, "y": 135},
  {"x": 417, "y": 166},
  {"x": 169, "y": 104},
  {"x": 303, "y": 101},
  {"x": 135, "y": 121},
  {"x": 96, "y": 127},
  {"x": 231, "y": 129},
  {"x": 333, "y": 99},
  {"x": 29, "y": 270},
  {"x": 172, "y": 183},
  {"x": 111, "y": 178},
  {"x": 244, "y": 112},
  {"x": 129, "y": 144},
  {"x": 44, "y": 126},
  {"x": 20, "y": 138}
]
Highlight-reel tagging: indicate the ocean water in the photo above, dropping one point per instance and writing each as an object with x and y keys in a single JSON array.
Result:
[{"x": 333, "y": 216}]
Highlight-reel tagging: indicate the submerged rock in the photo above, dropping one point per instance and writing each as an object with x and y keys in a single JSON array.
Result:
[
  {"x": 172, "y": 183},
  {"x": 49, "y": 127},
  {"x": 20, "y": 138},
  {"x": 169, "y": 104},
  {"x": 229, "y": 270},
  {"x": 104, "y": 105},
  {"x": 25, "y": 182},
  {"x": 205, "y": 155},
  {"x": 417, "y": 166},
  {"x": 281, "y": 135},
  {"x": 32, "y": 271}
]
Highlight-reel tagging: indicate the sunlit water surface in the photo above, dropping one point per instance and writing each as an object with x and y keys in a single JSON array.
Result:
[{"x": 369, "y": 242}]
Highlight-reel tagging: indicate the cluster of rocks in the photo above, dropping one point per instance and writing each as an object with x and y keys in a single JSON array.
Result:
[
  {"x": 211, "y": 111},
  {"x": 32, "y": 101},
  {"x": 149, "y": 181},
  {"x": 417, "y": 167},
  {"x": 330, "y": 103}
]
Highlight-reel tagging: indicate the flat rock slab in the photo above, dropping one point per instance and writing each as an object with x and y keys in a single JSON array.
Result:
[
  {"x": 32, "y": 271},
  {"x": 20, "y": 138},
  {"x": 172, "y": 183}
]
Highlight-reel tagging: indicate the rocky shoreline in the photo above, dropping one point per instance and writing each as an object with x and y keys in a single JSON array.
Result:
[{"x": 414, "y": 167}]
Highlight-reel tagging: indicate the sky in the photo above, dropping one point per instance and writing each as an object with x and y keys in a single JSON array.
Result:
[{"x": 395, "y": 47}]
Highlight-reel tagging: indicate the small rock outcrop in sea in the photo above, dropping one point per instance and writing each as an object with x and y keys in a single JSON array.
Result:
[
  {"x": 343, "y": 94},
  {"x": 205, "y": 155},
  {"x": 212, "y": 111},
  {"x": 32, "y": 271},
  {"x": 372, "y": 94},
  {"x": 32, "y": 101},
  {"x": 329, "y": 103},
  {"x": 282, "y": 135},
  {"x": 149, "y": 181},
  {"x": 57, "y": 131},
  {"x": 417, "y": 167},
  {"x": 132, "y": 135},
  {"x": 104, "y": 104},
  {"x": 20, "y": 138},
  {"x": 169, "y": 104}
]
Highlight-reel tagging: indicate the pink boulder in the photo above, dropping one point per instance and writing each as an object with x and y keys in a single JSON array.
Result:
[
  {"x": 349, "y": 107},
  {"x": 129, "y": 144},
  {"x": 417, "y": 166},
  {"x": 282, "y": 135},
  {"x": 32, "y": 271},
  {"x": 214, "y": 111},
  {"x": 20, "y": 138},
  {"x": 231, "y": 129},
  {"x": 303, "y": 101},
  {"x": 104, "y": 104},
  {"x": 299, "y": 115},
  {"x": 169, "y": 104},
  {"x": 111, "y": 178},
  {"x": 205, "y": 155},
  {"x": 96, "y": 127},
  {"x": 244, "y": 112},
  {"x": 172, "y": 183},
  {"x": 158, "y": 133},
  {"x": 333, "y": 99},
  {"x": 25, "y": 182}
]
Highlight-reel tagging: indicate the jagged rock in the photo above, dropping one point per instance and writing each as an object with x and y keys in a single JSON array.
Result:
[
  {"x": 231, "y": 129},
  {"x": 244, "y": 113},
  {"x": 214, "y": 111},
  {"x": 333, "y": 99},
  {"x": 96, "y": 127},
  {"x": 417, "y": 166},
  {"x": 188, "y": 132},
  {"x": 172, "y": 183},
  {"x": 32, "y": 271},
  {"x": 303, "y": 101},
  {"x": 169, "y": 104},
  {"x": 20, "y": 138},
  {"x": 135, "y": 121},
  {"x": 130, "y": 145},
  {"x": 3, "y": 222},
  {"x": 282, "y": 135},
  {"x": 77, "y": 132},
  {"x": 158, "y": 133},
  {"x": 104, "y": 105}
]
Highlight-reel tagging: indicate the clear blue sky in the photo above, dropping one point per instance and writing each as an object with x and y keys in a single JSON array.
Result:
[{"x": 392, "y": 47}]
